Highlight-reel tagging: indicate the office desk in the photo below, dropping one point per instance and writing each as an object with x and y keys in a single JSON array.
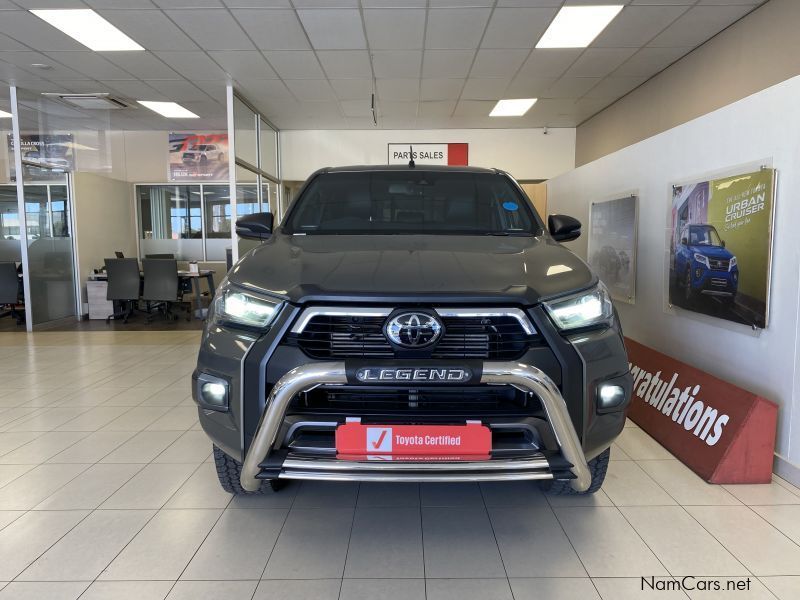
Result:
[{"x": 194, "y": 277}]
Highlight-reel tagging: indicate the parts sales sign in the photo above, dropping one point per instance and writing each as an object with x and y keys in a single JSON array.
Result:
[
  {"x": 429, "y": 154},
  {"x": 723, "y": 433}
]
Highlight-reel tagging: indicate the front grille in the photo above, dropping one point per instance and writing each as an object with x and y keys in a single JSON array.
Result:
[
  {"x": 719, "y": 265},
  {"x": 361, "y": 400},
  {"x": 719, "y": 282},
  {"x": 494, "y": 338}
]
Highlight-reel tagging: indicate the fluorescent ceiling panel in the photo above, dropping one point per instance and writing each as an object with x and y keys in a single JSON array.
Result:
[
  {"x": 577, "y": 26},
  {"x": 171, "y": 110},
  {"x": 88, "y": 28},
  {"x": 5, "y": 115},
  {"x": 512, "y": 108}
]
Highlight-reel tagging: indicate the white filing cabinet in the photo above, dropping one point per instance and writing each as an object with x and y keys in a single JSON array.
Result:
[{"x": 99, "y": 307}]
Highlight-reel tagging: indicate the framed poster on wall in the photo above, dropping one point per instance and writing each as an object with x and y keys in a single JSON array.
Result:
[
  {"x": 612, "y": 245},
  {"x": 43, "y": 155},
  {"x": 198, "y": 156},
  {"x": 720, "y": 246}
]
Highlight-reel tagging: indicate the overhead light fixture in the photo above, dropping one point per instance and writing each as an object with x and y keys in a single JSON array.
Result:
[
  {"x": 5, "y": 115},
  {"x": 171, "y": 110},
  {"x": 512, "y": 108},
  {"x": 577, "y": 26},
  {"x": 90, "y": 29}
]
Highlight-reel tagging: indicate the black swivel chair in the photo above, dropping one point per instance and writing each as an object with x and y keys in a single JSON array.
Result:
[
  {"x": 9, "y": 291},
  {"x": 160, "y": 256},
  {"x": 161, "y": 285},
  {"x": 123, "y": 286}
]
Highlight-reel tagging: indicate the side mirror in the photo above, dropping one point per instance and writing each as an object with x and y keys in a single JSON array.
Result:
[
  {"x": 257, "y": 226},
  {"x": 684, "y": 241},
  {"x": 563, "y": 228},
  {"x": 722, "y": 242}
]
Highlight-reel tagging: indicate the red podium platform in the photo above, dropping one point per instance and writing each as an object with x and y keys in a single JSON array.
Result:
[{"x": 723, "y": 433}]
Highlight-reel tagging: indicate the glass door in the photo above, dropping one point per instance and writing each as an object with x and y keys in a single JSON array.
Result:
[{"x": 51, "y": 259}]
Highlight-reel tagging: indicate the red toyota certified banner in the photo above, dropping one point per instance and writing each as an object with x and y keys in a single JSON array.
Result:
[{"x": 433, "y": 440}]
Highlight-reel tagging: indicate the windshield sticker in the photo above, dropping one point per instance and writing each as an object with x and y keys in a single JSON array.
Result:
[{"x": 510, "y": 205}]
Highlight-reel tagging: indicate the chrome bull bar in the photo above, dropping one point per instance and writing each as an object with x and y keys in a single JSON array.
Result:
[{"x": 307, "y": 377}]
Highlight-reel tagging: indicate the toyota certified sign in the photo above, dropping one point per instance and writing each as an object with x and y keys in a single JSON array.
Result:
[{"x": 429, "y": 154}]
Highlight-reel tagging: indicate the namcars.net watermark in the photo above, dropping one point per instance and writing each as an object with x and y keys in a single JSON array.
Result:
[{"x": 692, "y": 583}]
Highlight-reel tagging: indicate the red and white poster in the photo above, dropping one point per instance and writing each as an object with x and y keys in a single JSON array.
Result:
[
  {"x": 429, "y": 154},
  {"x": 198, "y": 156}
]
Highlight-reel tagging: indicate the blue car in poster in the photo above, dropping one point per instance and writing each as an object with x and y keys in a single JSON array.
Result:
[{"x": 704, "y": 266}]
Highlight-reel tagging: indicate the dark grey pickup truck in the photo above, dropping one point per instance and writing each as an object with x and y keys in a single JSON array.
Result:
[{"x": 411, "y": 324}]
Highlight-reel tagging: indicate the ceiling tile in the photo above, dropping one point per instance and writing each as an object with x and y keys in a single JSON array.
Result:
[
  {"x": 133, "y": 89},
  {"x": 599, "y": 62},
  {"x": 461, "y": 28},
  {"x": 151, "y": 29},
  {"x": 398, "y": 89},
  {"x": 441, "y": 89},
  {"x": 295, "y": 64},
  {"x": 530, "y": 3},
  {"x": 257, "y": 3},
  {"x": 396, "y": 108},
  {"x": 345, "y": 64},
  {"x": 571, "y": 87},
  {"x": 23, "y": 60},
  {"x": 193, "y": 65},
  {"x": 268, "y": 89},
  {"x": 649, "y": 2},
  {"x": 392, "y": 64},
  {"x": 334, "y": 29},
  {"x": 22, "y": 25},
  {"x": 460, "y": 3},
  {"x": 8, "y": 44},
  {"x": 699, "y": 24},
  {"x": 612, "y": 88},
  {"x": 649, "y": 61},
  {"x": 352, "y": 89},
  {"x": 310, "y": 89},
  {"x": 356, "y": 108},
  {"x": 244, "y": 64},
  {"x": 637, "y": 25},
  {"x": 395, "y": 29},
  {"x": 549, "y": 62},
  {"x": 178, "y": 91},
  {"x": 484, "y": 89},
  {"x": 441, "y": 108},
  {"x": 517, "y": 27},
  {"x": 273, "y": 29},
  {"x": 212, "y": 29},
  {"x": 99, "y": 4},
  {"x": 188, "y": 3},
  {"x": 326, "y": 3},
  {"x": 529, "y": 87},
  {"x": 447, "y": 63},
  {"x": 90, "y": 64},
  {"x": 394, "y": 3},
  {"x": 474, "y": 108},
  {"x": 143, "y": 65},
  {"x": 498, "y": 63}
]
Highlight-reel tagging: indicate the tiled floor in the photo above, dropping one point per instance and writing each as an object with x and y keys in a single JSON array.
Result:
[{"x": 107, "y": 492}]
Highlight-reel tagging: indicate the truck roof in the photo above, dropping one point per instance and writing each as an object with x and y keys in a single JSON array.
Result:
[{"x": 404, "y": 167}]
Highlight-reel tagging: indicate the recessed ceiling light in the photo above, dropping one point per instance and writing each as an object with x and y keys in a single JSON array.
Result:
[
  {"x": 41, "y": 66},
  {"x": 171, "y": 110},
  {"x": 512, "y": 108},
  {"x": 577, "y": 26},
  {"x": 88, "y": 28},
  {"x": 5, "y": 115}
]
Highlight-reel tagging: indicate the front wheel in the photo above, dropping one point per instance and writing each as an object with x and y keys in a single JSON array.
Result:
[
  {"x": 598, "y": 467},
  {"x": 229, "y": 472}
]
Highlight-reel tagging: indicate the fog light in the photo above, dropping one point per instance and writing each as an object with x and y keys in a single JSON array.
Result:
[
  {"x": 610, "y": 396},
  {"x": 697, "y": 273},
  {"x": 212, "y": 392}
]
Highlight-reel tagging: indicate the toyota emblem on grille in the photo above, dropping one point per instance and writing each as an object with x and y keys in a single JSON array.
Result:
[{"x": 413, "y": 329}]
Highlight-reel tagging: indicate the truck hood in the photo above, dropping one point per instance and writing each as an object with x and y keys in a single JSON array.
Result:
[
  {"x": 715, "y": 252},
  {"x": 430, "y": 268}
]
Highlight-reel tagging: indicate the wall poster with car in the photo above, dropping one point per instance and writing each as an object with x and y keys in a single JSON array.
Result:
[
  {"x": 612, "y": 245},
  {"x": 198, "y": 156},
  {"x": 44, "y": 156},
  {"x": 720, "y": 246}
]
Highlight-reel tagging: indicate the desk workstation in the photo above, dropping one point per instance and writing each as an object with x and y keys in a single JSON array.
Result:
[{"x": 116, "y": 290}]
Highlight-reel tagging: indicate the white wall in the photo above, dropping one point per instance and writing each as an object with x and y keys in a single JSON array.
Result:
[
  {"x": 525, "y": 153},
  {"x": 761, "y": 127}
]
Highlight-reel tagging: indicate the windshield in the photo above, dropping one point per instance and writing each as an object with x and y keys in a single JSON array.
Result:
[
  {"x": 202, "y": 148},
  {"x": 411, "y": 203},
  {"x": 703, "y": 236}
]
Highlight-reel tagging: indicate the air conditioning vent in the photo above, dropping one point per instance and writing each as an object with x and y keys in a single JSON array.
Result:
[{"x": 92, "y": 101}]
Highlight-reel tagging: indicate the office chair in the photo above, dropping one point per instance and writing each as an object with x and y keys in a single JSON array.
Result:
[
  {"x": 123, "y": 286},
  {"x": 161, "y": 286},
  {"x": 119, "y": 254},
  {"x": 160, "y": 256},
  {"x": 9, "y": 291}
]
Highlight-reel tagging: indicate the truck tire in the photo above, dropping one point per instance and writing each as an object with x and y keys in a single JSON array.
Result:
[
  {"x": 597, "y": 467},
  {"x": 229, "y": 471}
]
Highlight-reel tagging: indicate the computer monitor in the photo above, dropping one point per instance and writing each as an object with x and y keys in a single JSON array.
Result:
[{"x": 119, "y": 254}]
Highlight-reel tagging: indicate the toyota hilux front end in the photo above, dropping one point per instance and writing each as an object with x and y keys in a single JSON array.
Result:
[{"x": 411, "y": 324}]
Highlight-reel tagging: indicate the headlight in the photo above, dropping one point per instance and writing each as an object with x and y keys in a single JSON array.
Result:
[
  {"x": 732, "y": 264},
  {"x": 584, "y": 310},
  {"x": 702, "y": 259},
  {"x": 243, "y": 308}
]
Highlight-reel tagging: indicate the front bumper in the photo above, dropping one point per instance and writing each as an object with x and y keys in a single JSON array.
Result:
[{"x": 309, "y": 376}]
